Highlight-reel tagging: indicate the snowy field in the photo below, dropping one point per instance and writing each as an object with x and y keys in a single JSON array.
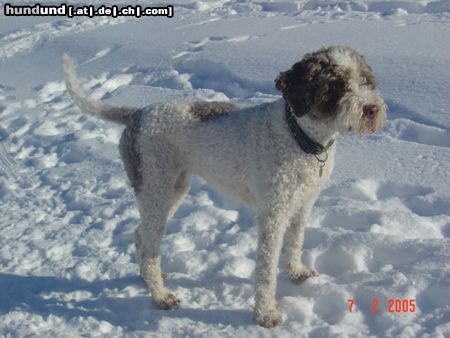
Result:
[{"x": 379, "y": 231}]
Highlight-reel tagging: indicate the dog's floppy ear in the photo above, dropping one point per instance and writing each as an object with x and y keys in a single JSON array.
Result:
[
  {"x": 314, "y": 82},
  {"x": 295, "y": 85}
]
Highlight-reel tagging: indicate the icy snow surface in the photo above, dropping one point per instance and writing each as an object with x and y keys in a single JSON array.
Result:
[{"x": 380, "y": 230}]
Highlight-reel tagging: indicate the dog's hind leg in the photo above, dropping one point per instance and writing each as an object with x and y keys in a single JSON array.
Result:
[{"x": 164, "y": 184}]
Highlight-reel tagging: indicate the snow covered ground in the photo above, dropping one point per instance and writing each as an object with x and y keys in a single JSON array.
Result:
[{"x": 379, "y": 231}]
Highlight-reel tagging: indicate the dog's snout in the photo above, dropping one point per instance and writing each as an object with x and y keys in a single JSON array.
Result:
[{"x": 370, "y": 110}]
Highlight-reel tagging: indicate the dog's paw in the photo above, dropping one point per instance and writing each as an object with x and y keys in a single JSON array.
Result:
[
  {"x": 168, "y": 302},
  {"x": 269, "y": 318},
  {"x": 300, "y": 274}
]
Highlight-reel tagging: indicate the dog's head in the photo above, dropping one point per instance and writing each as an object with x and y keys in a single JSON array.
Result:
[{"x": 334, "y": 84}]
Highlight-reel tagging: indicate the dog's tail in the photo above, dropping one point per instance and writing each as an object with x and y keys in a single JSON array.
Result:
[{"x": 90, "y": 105}]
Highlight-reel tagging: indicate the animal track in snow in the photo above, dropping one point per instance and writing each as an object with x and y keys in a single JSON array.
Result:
[
  {"x": 360, "y": 220},
  {"x": 216, "y": 76},
  {"x": 407, "y": 125},
  {"x": 386, "y": 208},
  {"x": 198, "y": 46},
  {"x": 392, "y": 190},
  {"x": 26, "y": 39},
  {"x": 411, "y": 131}
]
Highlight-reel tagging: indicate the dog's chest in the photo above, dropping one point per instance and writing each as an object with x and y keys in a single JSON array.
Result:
[
  {"x": 303, "y": 181},
  {"x": 303, "y": 175},
  {"x": 318, "y": 168},
  {"x": 308, "y": 170}
]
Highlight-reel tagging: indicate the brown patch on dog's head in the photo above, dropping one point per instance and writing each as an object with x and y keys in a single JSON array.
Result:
[
  {"x": 314, "y": 84},
  {"x": 365, "y": 71},
  {"x": 208, "y": 111}
]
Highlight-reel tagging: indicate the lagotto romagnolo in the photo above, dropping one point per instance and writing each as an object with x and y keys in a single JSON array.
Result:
[{"x": 273, "y": 157}]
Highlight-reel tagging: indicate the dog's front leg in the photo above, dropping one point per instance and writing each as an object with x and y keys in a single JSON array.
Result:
[
  {"x": 271, "y": 226},
  {"x": 293, "y": 244}
]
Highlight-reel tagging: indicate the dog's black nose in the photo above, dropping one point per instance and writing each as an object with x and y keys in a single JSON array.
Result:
[{"x": 369, "y": 110}]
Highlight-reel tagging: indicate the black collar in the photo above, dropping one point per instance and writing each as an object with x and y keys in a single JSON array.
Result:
[{"x": 307, "y": 144}]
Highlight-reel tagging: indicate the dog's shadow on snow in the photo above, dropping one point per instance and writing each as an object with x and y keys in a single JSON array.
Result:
[{"x": 70, "y": 299}]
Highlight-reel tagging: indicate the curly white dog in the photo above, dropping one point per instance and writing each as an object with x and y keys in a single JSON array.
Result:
[{"x": 273, "y": 157}]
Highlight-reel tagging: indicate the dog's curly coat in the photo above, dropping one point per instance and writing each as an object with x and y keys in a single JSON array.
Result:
[{"x": 249, "y": 154}]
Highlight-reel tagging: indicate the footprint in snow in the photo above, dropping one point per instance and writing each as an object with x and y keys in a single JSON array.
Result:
[
  {"x": 420, "y": 200},
  {"x": 411, "y": 131},
  {"x": 407, "y": 125},
  {"x": 198, "y": 46},
  {"x": 386, "y": 208}
]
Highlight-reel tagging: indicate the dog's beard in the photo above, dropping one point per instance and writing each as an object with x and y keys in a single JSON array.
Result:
[{"x": 350, "y": 117}]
